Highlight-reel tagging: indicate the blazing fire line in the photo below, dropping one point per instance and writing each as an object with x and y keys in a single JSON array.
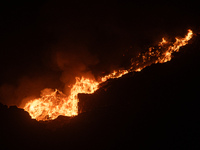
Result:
[{"x": 50, "y": 106}]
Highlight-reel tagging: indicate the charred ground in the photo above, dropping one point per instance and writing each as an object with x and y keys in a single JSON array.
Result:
[{"x": 157, "y": 108}]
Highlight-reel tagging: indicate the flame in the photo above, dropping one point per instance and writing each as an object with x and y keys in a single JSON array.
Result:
[
  {"x": 161, "y": 53},
  {"x": 50, "y": 106}
]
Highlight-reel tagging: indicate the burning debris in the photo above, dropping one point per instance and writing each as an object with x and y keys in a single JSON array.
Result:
[{"x": 55, "y": 103}]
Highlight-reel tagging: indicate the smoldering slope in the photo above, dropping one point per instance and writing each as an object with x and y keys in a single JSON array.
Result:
[{"x": 48, "y": 44}]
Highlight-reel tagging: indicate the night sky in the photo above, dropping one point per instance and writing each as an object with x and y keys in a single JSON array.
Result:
[{"x": 46, "y": 44}]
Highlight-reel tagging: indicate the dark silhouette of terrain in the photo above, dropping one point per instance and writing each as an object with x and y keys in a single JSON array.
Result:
[{"x": 157, "y": 108}]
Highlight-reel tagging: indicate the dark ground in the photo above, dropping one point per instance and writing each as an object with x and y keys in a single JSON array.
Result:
[{"x": 157, "y": 108}]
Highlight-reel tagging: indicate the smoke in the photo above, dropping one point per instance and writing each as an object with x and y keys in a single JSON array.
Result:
[
  {"x": 74, "y": 61},
  {"x": 26, "y": 89},
  {"x": 50, "y": 46}
]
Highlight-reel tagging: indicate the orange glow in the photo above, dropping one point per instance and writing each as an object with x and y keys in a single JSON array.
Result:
[
  {"x": 56, "y": 103},
  {"x": 114, "y": 74},
  {"x": 163, "y": 52}
]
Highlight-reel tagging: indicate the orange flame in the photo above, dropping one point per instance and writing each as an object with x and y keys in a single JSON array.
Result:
[{"x": 56, "y": 103}]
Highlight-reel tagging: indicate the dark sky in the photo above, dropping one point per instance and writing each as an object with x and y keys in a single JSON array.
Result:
[{"x": 48, "y": 43}]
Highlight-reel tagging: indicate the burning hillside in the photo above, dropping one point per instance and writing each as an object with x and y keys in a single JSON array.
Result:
[{"x": 55, "y": 103}]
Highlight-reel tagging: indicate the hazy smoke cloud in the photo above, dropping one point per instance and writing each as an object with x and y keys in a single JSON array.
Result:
[
  {"x": 58, "y": 41},
  {"x": 73, "y": 61},
  {"x": 26, "y": 89}
]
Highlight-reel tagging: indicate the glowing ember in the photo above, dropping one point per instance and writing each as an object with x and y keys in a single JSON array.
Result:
[{"x": 56, "y": 103}]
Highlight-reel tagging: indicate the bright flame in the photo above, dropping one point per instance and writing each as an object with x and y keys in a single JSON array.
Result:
[{"x": 56, "y": 103}]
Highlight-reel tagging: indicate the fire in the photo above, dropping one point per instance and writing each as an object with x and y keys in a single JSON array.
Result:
[
  {"x": 49, "y": 106},
  {"x": 161, "y": 53},
  {"x": 114, "y": 74},
  {"x": 56, "y": 103}
]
